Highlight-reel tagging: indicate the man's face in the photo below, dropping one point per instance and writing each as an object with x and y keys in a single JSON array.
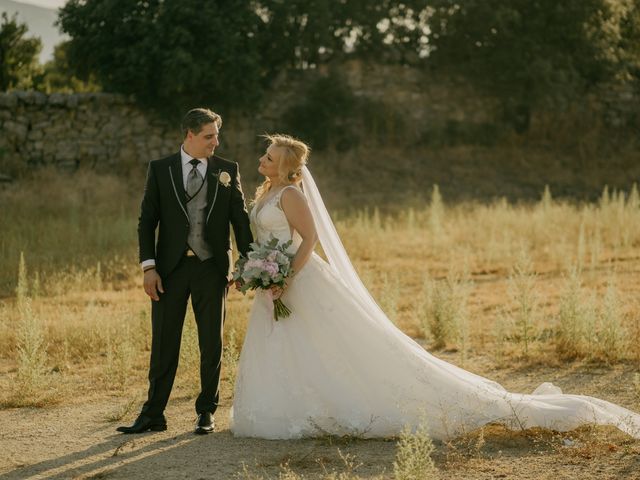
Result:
[{"x": 204, "y": 143}]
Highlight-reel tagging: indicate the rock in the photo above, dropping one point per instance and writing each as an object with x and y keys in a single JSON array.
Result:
[
  {"x": 154, "y": 143},
  {"x": 58, "y": 99},
  {"x": 8, "y": 100},
  {"x": 36, "y": 134},
  {"x": 17, "y": 129},
  {"x": 119, "y": 100},
  {"x": 31, "y": 97},
  {"x": 5, "y": 178},
  {"x": 67, "y": 165},
  {"x": 66, "y": 152},
  {"x": 72, "y": 101},
  {"x": 111, "y": 128},
  {"x": 22, "y": 95},
  {"x": 39, "y": 98},
  {"x": 89, "y": 131}
]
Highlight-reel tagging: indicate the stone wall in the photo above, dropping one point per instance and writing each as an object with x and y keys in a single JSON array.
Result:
[
  {"x": 103, "y": 131},
  {"x": 73, "y": 130},
  {"x": 425, "y": 101},
  {"x": 107, "y": 131}
]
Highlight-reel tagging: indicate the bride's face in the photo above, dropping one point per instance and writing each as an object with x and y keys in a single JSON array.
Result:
[{"x": 269, "y": 162}]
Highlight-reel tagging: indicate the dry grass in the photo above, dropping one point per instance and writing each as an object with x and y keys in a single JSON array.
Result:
[
  {"x": 348, "y": 471},
  {"x": 549, "y": 283},
  {"x": 413, "y": 459}
]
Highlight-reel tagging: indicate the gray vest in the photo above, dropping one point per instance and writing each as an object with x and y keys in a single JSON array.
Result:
[{"x": 197, "y": 210}]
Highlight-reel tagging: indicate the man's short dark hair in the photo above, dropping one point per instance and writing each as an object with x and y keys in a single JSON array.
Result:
[{"x": 197, "y": 118}]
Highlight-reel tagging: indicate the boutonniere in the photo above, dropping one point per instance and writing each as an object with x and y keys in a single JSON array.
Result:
[{"x": 224, "y": 178}]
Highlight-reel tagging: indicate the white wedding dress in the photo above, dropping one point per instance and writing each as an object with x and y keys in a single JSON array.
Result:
[{"x": 337, "y": 365}]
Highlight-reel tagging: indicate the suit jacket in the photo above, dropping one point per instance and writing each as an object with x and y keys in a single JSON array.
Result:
[{"x": 164, "y": 205}]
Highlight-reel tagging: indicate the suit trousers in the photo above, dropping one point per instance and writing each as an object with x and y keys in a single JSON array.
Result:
[{"x": 207, "y": 288}]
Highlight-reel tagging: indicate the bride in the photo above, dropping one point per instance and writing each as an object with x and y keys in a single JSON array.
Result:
[{"x": 337, "y": 365}]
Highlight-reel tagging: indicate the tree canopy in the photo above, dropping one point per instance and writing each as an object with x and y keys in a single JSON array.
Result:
[
  {"x": 169, "y": 54},
  {"x": 535, "y": 53},
  {"x": 19, "y": 65},
  {"x": 57, "y": 76},
  {"x": 173, "y": 54}
]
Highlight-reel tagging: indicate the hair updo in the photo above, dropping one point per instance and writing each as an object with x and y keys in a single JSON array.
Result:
[{"x": 294, "y": 156}]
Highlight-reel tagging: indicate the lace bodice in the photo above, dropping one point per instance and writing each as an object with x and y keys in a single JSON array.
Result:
[{"x": 269, "y": 220}]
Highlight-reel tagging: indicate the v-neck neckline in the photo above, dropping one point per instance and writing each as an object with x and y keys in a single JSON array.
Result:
[{"x": 262, "y": 205}]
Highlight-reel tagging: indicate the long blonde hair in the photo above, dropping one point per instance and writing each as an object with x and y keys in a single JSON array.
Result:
[{"x": 294, "y": 156}]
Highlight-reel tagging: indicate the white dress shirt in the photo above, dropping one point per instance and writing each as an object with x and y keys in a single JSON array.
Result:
[{"x": 186, "y": 168}]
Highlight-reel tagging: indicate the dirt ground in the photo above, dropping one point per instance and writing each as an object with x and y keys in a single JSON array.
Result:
[{"x": 76, "y": 441}]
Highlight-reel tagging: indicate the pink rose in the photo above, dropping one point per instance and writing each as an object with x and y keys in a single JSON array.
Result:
[{"x": 271, "y": 268}]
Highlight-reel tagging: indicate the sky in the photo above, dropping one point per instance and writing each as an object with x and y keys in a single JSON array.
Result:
[
  {"x": 44, "y": 3},
  {"x": 40, "y": 17}
]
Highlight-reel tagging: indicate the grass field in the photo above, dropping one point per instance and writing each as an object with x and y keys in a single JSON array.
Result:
[{"x": 521, "y": 293}]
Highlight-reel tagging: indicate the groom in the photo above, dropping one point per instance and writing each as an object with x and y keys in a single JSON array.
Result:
[{"x": 191, "y": 196}]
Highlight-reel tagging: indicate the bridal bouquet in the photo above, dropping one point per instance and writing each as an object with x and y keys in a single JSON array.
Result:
[{"x": 266, "y": 265}]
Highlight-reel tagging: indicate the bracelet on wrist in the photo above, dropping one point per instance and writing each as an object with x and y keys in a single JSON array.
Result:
[{"x": 150, "y": 267}]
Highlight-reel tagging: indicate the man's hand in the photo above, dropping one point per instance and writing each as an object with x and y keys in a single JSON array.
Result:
[{"x": 152, "y": 284}]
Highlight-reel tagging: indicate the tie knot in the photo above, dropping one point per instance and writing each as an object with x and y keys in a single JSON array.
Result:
[{"x": 194, "y": 162}]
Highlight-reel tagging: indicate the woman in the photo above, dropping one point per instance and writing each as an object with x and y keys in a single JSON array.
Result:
[{"x": 337, "y": 365}]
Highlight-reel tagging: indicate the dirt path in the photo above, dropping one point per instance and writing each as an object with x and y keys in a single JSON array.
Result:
[{"x": 77, "y": 442}]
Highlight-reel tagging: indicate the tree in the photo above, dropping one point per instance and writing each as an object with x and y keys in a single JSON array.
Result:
[
  {"x": 57, "y": 76},
  {"x": 18, "y": 55},
  {"x": 174, "y": 54},
  {"x": 170, "y": 54},
  {"x": 307, "y": 33},
  {"x": 529, "y": 54},
  {"x": 629, "y": 39}
]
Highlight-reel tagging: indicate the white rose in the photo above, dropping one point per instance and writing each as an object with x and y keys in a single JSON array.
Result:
[{"x": 224, "y": 179}]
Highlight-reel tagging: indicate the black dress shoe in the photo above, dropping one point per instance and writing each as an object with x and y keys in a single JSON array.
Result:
[
  {"x": 204, "y": 424},
  {"x": 144, "y": 423}
]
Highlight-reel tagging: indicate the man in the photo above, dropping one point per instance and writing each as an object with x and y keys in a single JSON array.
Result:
[{"x": 192, "y": 196}]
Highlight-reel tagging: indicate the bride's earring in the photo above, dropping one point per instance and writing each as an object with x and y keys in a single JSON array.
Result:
[{"x": 293, "y": 175}]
